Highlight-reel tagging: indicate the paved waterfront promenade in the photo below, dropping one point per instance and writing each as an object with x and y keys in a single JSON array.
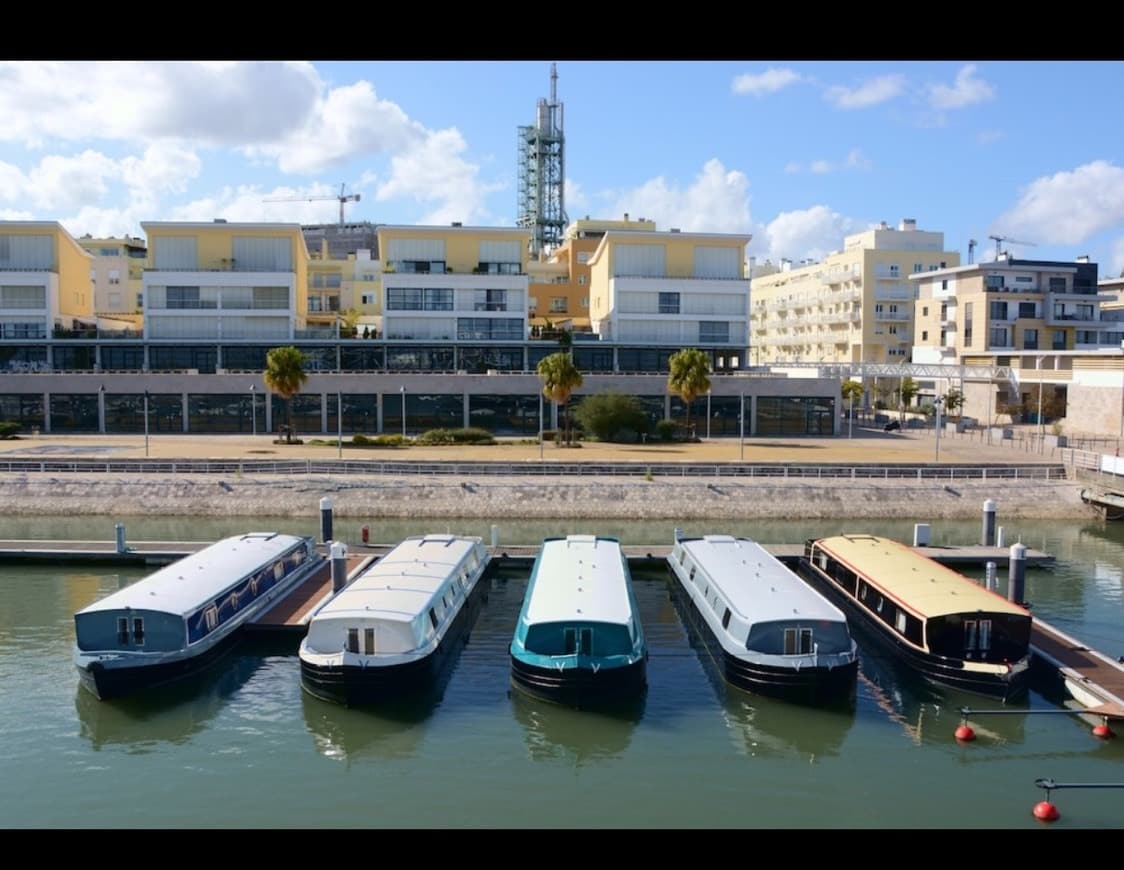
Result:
[{"x": 409, "y": 494}]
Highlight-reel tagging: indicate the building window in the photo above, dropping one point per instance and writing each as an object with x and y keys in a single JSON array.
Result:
[
  {"x": 998, "y": 337},
  {"x": 717, "y": 331},
  {"x": 997, "y": 310},
  {"x": 1030, "y": 339},
  {"x": 1057, "y": 285},
  {"x": 1027, "y": 309},
  {"x": 944, "y": 284},
  {"x": 895, "y": 270},
  {"x": 924, "y": 310},
  {"x": 993, "y": 282},
  {"x": 918, "y": 267},
  {"x": 558, "y": 305},
  {"x": 924, "y": 335},
  {"x": 669, "y": 303},
  {"x": 532, "y": 303},
  {"x": 368, "y": 298},
  {"x": 140, "y": 300},
  {"x": 581, "y": 280},
  {"x": 1059, "y": 339},
  {"x": 583, "y": 256}
]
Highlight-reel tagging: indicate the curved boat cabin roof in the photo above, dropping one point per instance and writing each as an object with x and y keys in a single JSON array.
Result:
[
  {"x": 924, "y": 585},
  {"x": 402, "y": 583},
  {"x": 580, "y": 577},
  {"x": 755, "y": 584},
  {"x": 179, "y": 588}
]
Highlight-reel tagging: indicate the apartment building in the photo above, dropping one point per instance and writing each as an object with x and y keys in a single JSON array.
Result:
[
  {"x": 855, "y": 306},
  {"x": 214, "y": 281},
  {"x": 670, "y": 290},
  {"x": 559, "y": 291},
  {"x": 45, "y": 283},
  {"x": 117, "y": 272},
  {"x": 454, "y": 283}
]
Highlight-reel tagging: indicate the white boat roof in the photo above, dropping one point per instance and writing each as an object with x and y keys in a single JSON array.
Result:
[
  {"x": 756, "y": 585},
  {"x": 400, "y": 585},
  {"x": 580, "y": 577},
  {"x": 193, "y": 580}
]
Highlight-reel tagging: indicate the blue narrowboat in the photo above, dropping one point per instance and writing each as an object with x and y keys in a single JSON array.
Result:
[
  {"x": 395, "y": 629},
  {"x": 578, "y": 640},
  {"x": 767, "y": 630},
  {"x": 183, "y": 616}
]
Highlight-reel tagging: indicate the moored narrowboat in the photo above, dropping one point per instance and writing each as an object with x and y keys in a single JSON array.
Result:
[
  {"x": 578, "y": 640},
  {"x": 183, "y": 616},
  {"x": 941, "y": 625},
  {"x": 394, "y": 628},
  {"x": 767, "y": 630}
]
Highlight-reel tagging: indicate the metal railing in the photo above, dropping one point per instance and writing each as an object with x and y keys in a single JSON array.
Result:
[{"x": 793, "y": 471}]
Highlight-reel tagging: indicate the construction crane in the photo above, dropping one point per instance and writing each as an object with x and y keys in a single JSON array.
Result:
[
  {"x": 999, "y": 239},
  {"x": 341, "y": 196}
]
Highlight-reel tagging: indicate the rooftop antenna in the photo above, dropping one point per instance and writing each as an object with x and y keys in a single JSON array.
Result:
[{"x": 971, "y": 247}]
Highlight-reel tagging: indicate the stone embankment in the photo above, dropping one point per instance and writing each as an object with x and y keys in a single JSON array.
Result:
[{"x": 377, "y": 497}]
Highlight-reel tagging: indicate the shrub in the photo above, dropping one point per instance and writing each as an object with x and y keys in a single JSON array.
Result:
[
  {"x": 8, "y": 430},
  {"x": 379, "y": 441},
  {"x": 457, "y": 436},
  {"x": 665, "y": 429},
  {"x": 608, "y": 415}
]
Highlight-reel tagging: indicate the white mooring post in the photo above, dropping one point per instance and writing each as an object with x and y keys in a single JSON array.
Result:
[
  {"x": 990, "y": 583},
  {"x": 1016, "y": 574},
  {"x": 120, "y": 530},
  {"x": 987, "y": 535},
  {"x": 339, "y": 565},
  {"x": 325, "y": 519},
  {"x": 921, "y": 535},
  {"x": 495, "y": 536}
]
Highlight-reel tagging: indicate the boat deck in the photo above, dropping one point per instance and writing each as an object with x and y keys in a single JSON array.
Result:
[{"x": 292, "y": 612}]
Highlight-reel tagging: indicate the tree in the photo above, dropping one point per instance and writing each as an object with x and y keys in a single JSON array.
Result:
[
  {"x": 560, "y": 378},
  {"x": 285, "y": 375},
  {"x": 608, "y": 414},
  {"x": 953, "y": 402},
  {"x": 907, "y": 391},
  {"x": 852, "y": 391},
  {"x": 689, "y": 377}
]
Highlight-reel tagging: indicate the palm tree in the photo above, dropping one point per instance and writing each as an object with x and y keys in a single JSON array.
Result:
[
  {"x": 689, "y": 377},
  {"x": 560, "y": 378},
  {"x": 285, "y": 375}
]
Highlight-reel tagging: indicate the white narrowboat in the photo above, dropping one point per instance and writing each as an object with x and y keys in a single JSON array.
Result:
[{"x": 393, "y": 629}]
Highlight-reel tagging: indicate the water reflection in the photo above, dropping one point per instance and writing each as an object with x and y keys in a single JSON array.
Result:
[
  {"x": 393, "y": 731},
  {"x": 771, "y": 728},
  {"x": 579, "y": 737},
  {"x": 164, "y": 714}
]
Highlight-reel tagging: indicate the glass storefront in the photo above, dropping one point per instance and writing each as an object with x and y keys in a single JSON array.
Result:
[
  {"x": 795, "y": 415},
  {"x": 124, "y": 412},
  {"x": 163, "y": 359},
  {"x": 129, "y": 358},
  {"x": 75, "y": 358},
  {"x": 507, "y": 415},
  {"x": 22, "y": 408},
  {"x": 74, "y": 412}
]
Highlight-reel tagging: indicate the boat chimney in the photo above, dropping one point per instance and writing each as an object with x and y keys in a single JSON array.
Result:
[
  {"x": 1016, "y": 574},
  {"x": 987, "y": 536}
]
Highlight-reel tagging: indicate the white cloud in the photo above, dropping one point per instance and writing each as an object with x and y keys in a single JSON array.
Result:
[
  {"x": 986, "y": 137},
  {"x": 347, "y": 122},
  {"x": 1069, "y": 207},
  {"x": 820, "y": 167},
  {"x": 768, "y": 82},
  {"x": 435, "y": 172},
  {"x": 716, "y": 201},
  {"x": 869, "y": 93},
  {"x": 812, "y": 233},
  {"x": 219, "y": 104},
  {"x": 1117, "y": 267},
  {"x": 854, "y": 160},
  {"x": 965, "y": 91},
  {"x": 575, "y": 198},
  {"x": 793, "y": 167}
]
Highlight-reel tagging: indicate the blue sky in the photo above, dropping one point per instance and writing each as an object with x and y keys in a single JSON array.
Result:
[{"x": 797, "y": 153}]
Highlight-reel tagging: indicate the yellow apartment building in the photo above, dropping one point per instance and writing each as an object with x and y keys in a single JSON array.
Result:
[{"x": 45, "y": 282}]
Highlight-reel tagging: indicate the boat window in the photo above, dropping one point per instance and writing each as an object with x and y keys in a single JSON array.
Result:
[
  {"x": 278, "y": 570},
  {"x": 806, "y": 641},
  {"x": 862, "y": 591},
  {"x": 790, "y": 641},
  {"x": 353, "y": 640},
  {"x": 368, "y": 641},
  {"x": 985, "y": 634},
  {"x": 706, "y": 589},
  {"x": 879, "y": 601},
  {"x": 691, "y": 576},
  {"x": 969, "y": 635},
  {"x": 254, "y": 586},
  {"x": 569, "y": 641},
  {"x": 682, "y": 556},
  {"x": 211, "y": 615},
  {"x": 122, "y": 629},
  {"x": 433, "y": 617},
  {"x": 587, "y": 641},
  {"x": 138, "y": 630},
  {"x": 899, "y": 622},
  {"x": 726, "y": 618}
]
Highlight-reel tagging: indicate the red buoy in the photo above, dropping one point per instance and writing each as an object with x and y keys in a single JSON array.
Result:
[
  {"x": 965, "y": 733},
  {"x": 1102, "y": 731},
  {"x": 1045, "y": 811}
]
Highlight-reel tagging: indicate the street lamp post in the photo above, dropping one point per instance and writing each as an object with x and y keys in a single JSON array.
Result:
[
  {"x": 254, "y": 410},
  {"x": 1041, "y": 424},
  {"x": 708, "y": 415},
  {"x": 741, "y": 430},
  {"x": 339, "y": 424},
  {"x": 101, "y": 409},
  {"x": 937, "y": 404},
  {"x": 402, "y": 390},
  {"x": 146, "y": 424},
  {"x": 540, "y": 426},
  {"x": 851, "y": 413}
]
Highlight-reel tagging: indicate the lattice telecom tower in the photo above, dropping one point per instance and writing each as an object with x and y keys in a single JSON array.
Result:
[{"x": 541, "y": 173}]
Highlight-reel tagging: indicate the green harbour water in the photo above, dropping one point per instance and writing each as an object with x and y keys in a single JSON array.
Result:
[{"x": 242, "y": 746}]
